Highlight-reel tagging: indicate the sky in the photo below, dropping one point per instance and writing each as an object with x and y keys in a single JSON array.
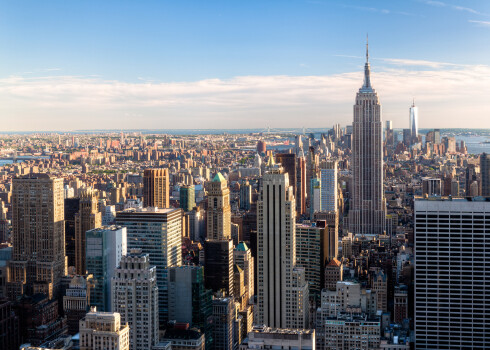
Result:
[{"x": 71, "y": 65}]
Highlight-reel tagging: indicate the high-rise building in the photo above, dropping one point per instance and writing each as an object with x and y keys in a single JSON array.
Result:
[
  {"x": 242, "y": 256},
  {"x": 87, "y": 218},
  {"x": 452, "y": 251},
  {"x": 223, "y": 319},
  {"x": 414, "y": 121},
  {"x": 279, "y": 282},
  {"x": 485, "y": 174},
  {"x": 431, "y": 186},
  {"x": 288, "y": 163},
  {"x": 76, "y": 303},
  {"x": 135, "y": 298},
  {"x": 333, "y": 274},
  {"x": 187, "y": 197},
  {"x": 38, "y": 260},
  {"x": 156, "y": 188},
  {"x": 301, "y": 185},
  {"x": 9, "y": 326},
  {"x": 218, "y": 265},
  {"x": 103, "y": 331},
  {"x": 158, "y": 232},
  {"x": 328, "y": 177},
  {"x": 315, "y": 196},
  {"x": 245, "y": 196},
  {"x": 219, "y": 210},
  {"x": 188, "y": 299},
  {"x": 368, "y": 210},
  {"x": 312, "y": 161},
  {"x": 349, "y": 331},
  {"x": 389, "y": 134},
  {"x": 105, "y": 246},
  {"x": 72, "y": 207}
]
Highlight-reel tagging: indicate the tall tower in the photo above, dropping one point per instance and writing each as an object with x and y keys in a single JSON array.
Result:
[
  {"x": 328, "y": 176},
  {"x": 156, "y": 188},
  {"x": 86, "y": 219},
  {"x": 280, "y": 283},
  {"x": 368, "y": 210},
  {"x": 219, "y": 211},
  {"x": 136, "y": 281},
  {"x": 414, "y": 122},
  {"x": 485, "y": 174},
  {"x": 38, "y": 259}
]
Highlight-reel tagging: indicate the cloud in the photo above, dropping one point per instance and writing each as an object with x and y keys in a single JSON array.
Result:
[
  {"x": 378, "y": 10},
  {"x": 445, "y": 95},
  {"x": 453, "y": 7},
  {"x": 418, "y": 63},
  {"x": 480, "y": 23}
]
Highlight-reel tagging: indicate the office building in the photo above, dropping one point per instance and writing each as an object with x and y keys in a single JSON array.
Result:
[
  {"x": 431, "y": 187},
  {"x": 135, "y": 298},
  {"x": 301, "y": 185},
  {"x": 218, "y": 210},
  {"x": 72, "y": 207},
  {"x": 278, "y": 280},
  {"x": 38, "y": 231},
  {"x": 223, "y": 319},
  {"x": 245, "y": 196},
  {"x": 156, "y": 188},
  {"x": 333, "y": 274},
  {"x": 242, "y": 256},
  {"x": 76, "y": 303},
  {"x": 452, "y": 251},
  {"x": 368, "y": 208},
  {"x": 315, "y": 196},
  {"x": 188, "y": 299},
  {"x": 86, "y": 219},
  {"x": 329, "y": 192},
  {"x": 349, "y": 331},
  {"x": 262, "y": 337},
  {"x": 187, "y": 197},
  {"x": 289, "y": 164},
  {"x": 330, "y": 220},
  {"x": 158, "y": 232},
  {"x": 218, "y": 265},
  {"x": 485, "y": 174},
  {"x": 103, "y": 331},
  {"x": 105, "y": 246},
  {"x": 185, "y": 338},
  {"x": 9, "y": 326}
]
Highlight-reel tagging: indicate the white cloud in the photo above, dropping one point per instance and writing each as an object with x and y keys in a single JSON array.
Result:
[
  {"x": 446, "y": 95},
  {"x": 480, "y": 23},
  {"x": 453, "y": 7}
]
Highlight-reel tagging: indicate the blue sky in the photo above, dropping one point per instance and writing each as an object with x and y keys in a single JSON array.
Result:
[{"x": 110, "y": 60}]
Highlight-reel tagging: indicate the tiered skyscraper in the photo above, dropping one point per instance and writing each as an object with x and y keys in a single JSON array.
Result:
[
  {"x": 38, "y": 260},
  {"x": 368, "y": 209},
  {"x": 282, "y": 290},
  {"x": 219, "y": 212}
]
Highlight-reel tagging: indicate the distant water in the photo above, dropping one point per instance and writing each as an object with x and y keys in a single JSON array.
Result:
[{"x": 5, "y": 162}]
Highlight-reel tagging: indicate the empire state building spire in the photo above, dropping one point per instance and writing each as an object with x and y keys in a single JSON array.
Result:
[{"x": 367, "y": 72}]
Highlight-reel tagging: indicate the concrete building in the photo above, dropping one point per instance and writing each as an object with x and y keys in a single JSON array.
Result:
[
  {"x": 452, "y": 251},
  {"x": 38, "y": 236},
  {"x": 76, "y": 303},
  {"x": 223, "y": 324},
  {"x": 156, "y": 188},
  {"x": 103, "y": 331},
  {"x": 86, "y": 219},
  {"x": 245, "y": 196},
  {"x": 367, "y": 214},
  {"x": 289, "y": 164},
  {"x": 242, "y": 256},
  {"x": 218, "y": 210},
  {"x": 262, "y": 337},
  {"x": 135, "y": 298},
  {"x": 158, "y": 232},
  {"x": 348, "y": 331},
  {"x": 184, "y": 339},
  {"x": 105, "y": 246},
  {"x": 333, "y": 274},
  {"x": 485, "y": 174},
  {"x": 431, "y": 187},
  {"x": 276, "y": 240},
  {"x": 328, "y": 178}
]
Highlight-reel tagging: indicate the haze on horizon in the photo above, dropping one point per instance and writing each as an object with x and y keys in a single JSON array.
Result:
[{"x": 191, "y": 64}]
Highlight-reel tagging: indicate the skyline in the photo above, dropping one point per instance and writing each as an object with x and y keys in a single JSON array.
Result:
[{"x": 80, "y": 67}]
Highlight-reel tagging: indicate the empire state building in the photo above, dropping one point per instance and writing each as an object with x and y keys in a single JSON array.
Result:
[{"x": 368, "y": 208}]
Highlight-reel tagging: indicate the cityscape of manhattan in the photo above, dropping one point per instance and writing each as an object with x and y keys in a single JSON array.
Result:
[{"x": 260, "y": 175}]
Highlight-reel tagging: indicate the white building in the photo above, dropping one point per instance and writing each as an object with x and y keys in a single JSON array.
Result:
[
  {"x": 103, "y": 331},
  {"x": 135, "y": 298},
  {"x": 278, "y": 290},
  {"x": 262, "y": 337},
  {"x": 452, "y": 255}
]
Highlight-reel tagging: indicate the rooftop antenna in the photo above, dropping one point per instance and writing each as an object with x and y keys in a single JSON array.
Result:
[{"x": 367, "y": 48}]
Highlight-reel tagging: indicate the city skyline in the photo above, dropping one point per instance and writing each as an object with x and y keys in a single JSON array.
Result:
[{"x": 279, "y": 63}]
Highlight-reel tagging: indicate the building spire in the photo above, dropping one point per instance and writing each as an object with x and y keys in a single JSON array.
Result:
[
  {"x": 413, "y": 101},
  {"x": 367, "y": 71}
]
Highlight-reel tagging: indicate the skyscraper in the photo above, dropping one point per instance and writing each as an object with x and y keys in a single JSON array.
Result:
[
  {"x": 102, "y": 331},
  {"x": 368, "y": 210},
  {"x": 218, "y": 265},
  {"x": 187, "y": 197},
  {"x": 135, "y": 298},
  {"x": 38, "y": 260},
  {"x": 288, "y": 163},
  {"x": 86, "y": 219},
  {"x": 279, "y": 282},
  {"x": 452, "y": 255},
  {"x": 158, "y": 232},
  {"x": 156, "y": 188},
  {"x": 414, "y": 122},
  {"x": 223, "y": 317},
  {"x": 329, "y": 193},
  {"x": 105, "y": 246},
  {"x": 485, "y": 174},
  {"x": 218, "y": 211},
  {"x": 242, "y": 256}
]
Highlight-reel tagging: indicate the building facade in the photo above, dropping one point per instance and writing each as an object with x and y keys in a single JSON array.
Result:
[
  {"x": 219, "y": 210},
  {"x": 156, "y": 188}
]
